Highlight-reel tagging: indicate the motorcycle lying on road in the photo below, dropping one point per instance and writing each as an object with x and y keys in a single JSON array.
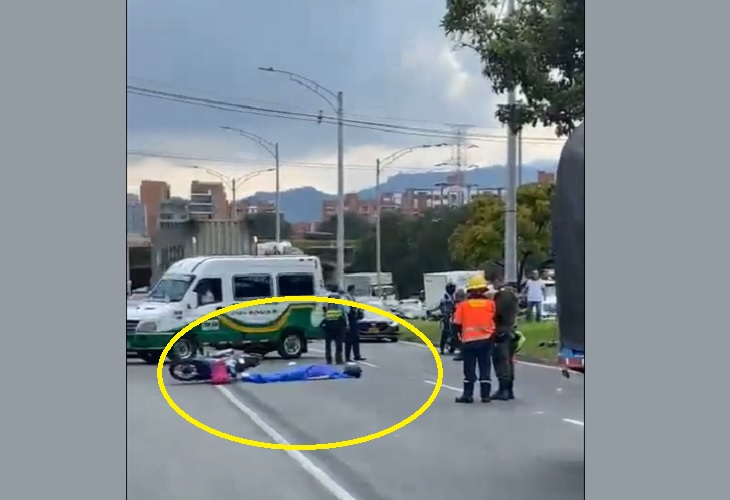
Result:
[{"x": 201, "y": 369}]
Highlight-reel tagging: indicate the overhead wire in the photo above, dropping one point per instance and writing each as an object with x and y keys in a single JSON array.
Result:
[
  {"x": 318, "y": 118},
  {"x": 241, "y": 161}
]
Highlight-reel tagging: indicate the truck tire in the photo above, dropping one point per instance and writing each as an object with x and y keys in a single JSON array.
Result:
[
  {"x": 292, "y": 344},
  {"x": 184, "y": 349},
  {"x": 150, "y": 357}
]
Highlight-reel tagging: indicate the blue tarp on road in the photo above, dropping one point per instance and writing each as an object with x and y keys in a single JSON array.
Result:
[{"x": 301, "y": 374}]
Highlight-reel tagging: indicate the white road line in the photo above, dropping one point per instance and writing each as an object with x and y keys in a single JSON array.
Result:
[
  {"x": 451, "y": 388},
  {"x": 371, "y": 365},
  {"x": 574, "y": 422},
  {"x": 305, "y": 463}
]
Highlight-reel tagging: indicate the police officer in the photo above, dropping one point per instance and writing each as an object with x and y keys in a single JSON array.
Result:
[
  {"x": 474, "y": 319},
  {"x": 446, "y": 308},
  {"x": 334, "y": 326},
  {"x": 352, "y": 337},
  {"x": 459, "y": 297},
  {"x": 506, "y": 303}
]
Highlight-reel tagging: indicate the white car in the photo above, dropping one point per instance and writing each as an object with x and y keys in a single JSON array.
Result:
[{"x": 410, "y": 309}]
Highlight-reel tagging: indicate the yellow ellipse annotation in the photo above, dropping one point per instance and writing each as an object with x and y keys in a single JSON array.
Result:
[{"x": 301, "y": 447}]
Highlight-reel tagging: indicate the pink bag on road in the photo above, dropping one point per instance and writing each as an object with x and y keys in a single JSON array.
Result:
[{"x": 219, "y": 373}]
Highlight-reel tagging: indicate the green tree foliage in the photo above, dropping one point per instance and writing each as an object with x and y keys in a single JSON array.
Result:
[
  {"x": 480, "y": 239},
  {"x": 263, "y": 225},
  {"x": 356, "y": 226},
  {"x": 411, "y": 246},
  {"x": 539, "y": 51}
]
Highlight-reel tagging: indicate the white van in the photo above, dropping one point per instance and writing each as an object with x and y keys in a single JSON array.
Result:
[{"x": 194, "y": 287}]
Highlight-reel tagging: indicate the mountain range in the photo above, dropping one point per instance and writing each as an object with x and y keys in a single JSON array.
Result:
[{"x": 306, "y": 202}]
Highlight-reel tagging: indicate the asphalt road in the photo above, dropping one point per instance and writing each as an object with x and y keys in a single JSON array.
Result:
[{"x": 530, "y": 448}]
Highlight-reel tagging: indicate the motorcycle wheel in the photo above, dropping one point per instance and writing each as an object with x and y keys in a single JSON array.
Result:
[{"x": 184, "y": 371}]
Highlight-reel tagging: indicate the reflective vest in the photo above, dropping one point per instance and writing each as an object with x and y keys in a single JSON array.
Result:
[
  {"x": 476, "y": 318},
  {"x": 333, "y": 314}
]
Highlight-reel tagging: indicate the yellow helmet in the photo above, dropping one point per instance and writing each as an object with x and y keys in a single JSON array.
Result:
[{"x": 476, "y": 283}]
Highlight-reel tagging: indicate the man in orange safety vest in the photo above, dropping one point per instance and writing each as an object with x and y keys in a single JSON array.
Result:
[{"x": 474, "y": 322}]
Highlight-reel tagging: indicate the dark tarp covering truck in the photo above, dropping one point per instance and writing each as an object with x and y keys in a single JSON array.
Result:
[{"x": 568, "y": 217}]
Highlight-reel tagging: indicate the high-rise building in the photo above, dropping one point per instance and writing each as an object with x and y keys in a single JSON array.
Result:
[
  {"x": 135, "y": 215},
  {"x": 544, "y": 177},
  {"x": 208, "y": 200},
  {"x": 174, "y": 210},
  {"x": 152, "y": 194}
]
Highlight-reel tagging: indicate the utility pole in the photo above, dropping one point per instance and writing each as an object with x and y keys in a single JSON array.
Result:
[
  {"x": 519, "y": 159},
  {"x": 234, "y": 211},
  {"x": 340, "y": 195},
  {"x": 378, "y": 255},
  {"x": 510, "y": 214}
]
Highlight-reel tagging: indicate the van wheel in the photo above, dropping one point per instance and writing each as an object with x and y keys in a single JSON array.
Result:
[
  {"x": 150, "y": 357},
  {"x": 184, "y": 349},
  {"x": 291, "y": 345}
]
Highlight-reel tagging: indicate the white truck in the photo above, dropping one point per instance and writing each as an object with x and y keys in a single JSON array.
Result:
[
  {"x": 366, "y": 285},
  {"x": 434, "y": 285}
]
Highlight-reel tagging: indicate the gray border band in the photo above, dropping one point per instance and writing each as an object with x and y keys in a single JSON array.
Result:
[{"x": 63, "y": 177}]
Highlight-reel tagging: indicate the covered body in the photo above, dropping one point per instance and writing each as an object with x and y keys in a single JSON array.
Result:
[
  {"x": 300, "y": 374},
  {"x": 568, "y": 218}
]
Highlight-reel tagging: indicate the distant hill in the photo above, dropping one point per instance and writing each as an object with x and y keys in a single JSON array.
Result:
[{"x": 305, "y": 204}]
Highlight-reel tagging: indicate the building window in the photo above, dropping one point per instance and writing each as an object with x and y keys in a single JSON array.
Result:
[
  {"x": 251, "y": 286},
  {"x": 296, "y": 285}
]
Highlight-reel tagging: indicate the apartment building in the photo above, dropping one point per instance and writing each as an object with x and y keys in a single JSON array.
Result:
[
  {"x": 136, "y": 220},
  {"x": 151, "y": 195},
  {"x": 208, "y": 201}
]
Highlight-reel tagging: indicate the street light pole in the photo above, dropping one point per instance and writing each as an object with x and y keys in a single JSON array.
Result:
[
  {"x": 278, "y": 193},
  {"x": 273, "y": 150},
  {"x": 378, "y": 245},
  {"x": 379, "y": 166},
  {"x": 335, "y": 100},
  {"x": 340, "y": 196},
  {"x": 233, "y": 182}
]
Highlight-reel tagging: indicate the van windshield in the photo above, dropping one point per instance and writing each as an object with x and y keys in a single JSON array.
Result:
[{"x": 171, "y": 288}]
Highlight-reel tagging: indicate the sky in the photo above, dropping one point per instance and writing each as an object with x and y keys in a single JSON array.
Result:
[{"x": 390, "y": 58}]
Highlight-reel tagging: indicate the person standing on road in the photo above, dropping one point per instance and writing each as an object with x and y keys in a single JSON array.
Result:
[
  {"x": 506, "y": 304},
  {"x": 459, "y": 297},
  {"x": 446, "y": 308},
  {"x": 535, "y": 290},
  {"x": 334, "y": 326},
  {"x": 352, "y": 337},
  {"x": 474, "y": 319}
]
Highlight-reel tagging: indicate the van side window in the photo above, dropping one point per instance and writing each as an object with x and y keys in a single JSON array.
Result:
[
  {"x": 296, "y": 284},
  {"x": 251, "y": 286},
  {"x": 209, "y": 290}
]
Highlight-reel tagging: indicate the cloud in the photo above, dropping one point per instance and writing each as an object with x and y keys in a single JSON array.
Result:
[
  {"x": 392, "y": 68},
  {"x": 316, "y": 169}
]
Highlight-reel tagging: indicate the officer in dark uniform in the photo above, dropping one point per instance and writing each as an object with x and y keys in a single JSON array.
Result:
[
  {"x": 506, "y": 302},
  {"x": 352, "y": 337},
  {"x": 446, "y": 308},
  {"x": 334, "y": 326},
  {"x": 459, "y": 296}
]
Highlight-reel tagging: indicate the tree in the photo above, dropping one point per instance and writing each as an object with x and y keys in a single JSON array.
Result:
[
  {"x": 411, "y": 246},
  {"x": 263, "y": 225},
  {"x": 356, "y": 226},
  {"x": 539, "y": 50},
  {"x": 480, "y": 240}
]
